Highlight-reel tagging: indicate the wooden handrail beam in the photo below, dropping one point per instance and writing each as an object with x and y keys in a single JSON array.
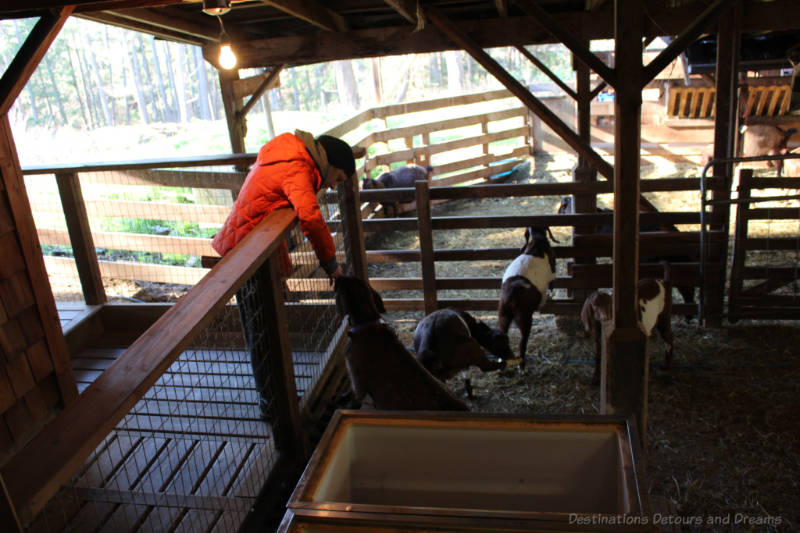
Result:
[{"x": 36, "y": 473}]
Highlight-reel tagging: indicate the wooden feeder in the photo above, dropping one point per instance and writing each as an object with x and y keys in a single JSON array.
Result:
[{"x": 399, "y": 470}]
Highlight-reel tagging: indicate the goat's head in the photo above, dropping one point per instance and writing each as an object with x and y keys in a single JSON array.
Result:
[
  {"x": 356, "y": 299},
  {"x": 566, "y": 206},
  {"x": 499, "y": 346},
  {"x": 534, "y": 234}
]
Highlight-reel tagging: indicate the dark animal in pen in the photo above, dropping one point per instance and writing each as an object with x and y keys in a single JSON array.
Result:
[
  {"x": 525, "y": 284},
  {"x": 766, "y": 140},
  {"x": 402, "y": 177},
  {"x": 687, "y": 293},
  {"x": 377, "y": 362},
  {"x": 449, "y": 340},
  {"x": 655, "y": 311}
]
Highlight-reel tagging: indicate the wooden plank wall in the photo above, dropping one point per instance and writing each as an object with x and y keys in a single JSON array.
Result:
[{"x": 35, "y": 376}]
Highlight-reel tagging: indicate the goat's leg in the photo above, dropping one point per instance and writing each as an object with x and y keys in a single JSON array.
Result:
[
  {"x": 504, "y": 318},
  {"x": 524, "y": 323},
  {"x": 474, "y": 355},
  {"x": 597, "y": 331},
  {"x": 665, "y": 330}
]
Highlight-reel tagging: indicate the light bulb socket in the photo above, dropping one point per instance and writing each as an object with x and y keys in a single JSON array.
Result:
[{"x": 216, "y": 7}]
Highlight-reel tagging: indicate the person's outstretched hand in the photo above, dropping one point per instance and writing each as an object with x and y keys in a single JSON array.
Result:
[{"x": 336, "y": 274}]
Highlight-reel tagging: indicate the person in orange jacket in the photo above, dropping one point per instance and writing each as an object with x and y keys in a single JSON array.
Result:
[{"x": 289, "y": 172}]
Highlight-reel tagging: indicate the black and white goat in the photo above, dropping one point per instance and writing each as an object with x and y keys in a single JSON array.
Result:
[
  {"x": 377, "y": 362},
  {"x": 655, "y": 311},
  {"x": 525, "y": 284},
  {"x": 397, "y": 178},
  {"x": 449, "y": 340}
]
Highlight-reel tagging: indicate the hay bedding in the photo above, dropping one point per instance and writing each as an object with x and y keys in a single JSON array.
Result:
[{"x": 723, "y": 424}]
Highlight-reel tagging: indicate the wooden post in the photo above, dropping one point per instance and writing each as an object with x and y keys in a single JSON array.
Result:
[
  {"x": 237, "y": 123},
  {"x": 725, "y": 128},
  {"x": 739, "y": 245},
  {"x": 353, "y": 230},
  {"x": 584, "y": 172},
  {"x": 425, "y": 229},
  {"x": 80, "y": 236},
  {"x": 625, "y": 357},
  {"x": 286, "y": 425}
]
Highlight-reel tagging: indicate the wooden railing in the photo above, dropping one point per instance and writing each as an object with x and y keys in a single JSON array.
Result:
[
  {"x": 583, "y": 276},
  {"x": 35, "y": 473},
  {"x": 420, "y": 146}
]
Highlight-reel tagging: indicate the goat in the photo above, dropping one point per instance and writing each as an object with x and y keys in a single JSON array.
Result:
[
  {"x": 449, "y": 340},
  {"x": 766, "y": 139},
  {"x": 687, "y": 293},
  {"x": 377, "y": 362},
  {"x": 655, "y": 310},
  {"x": 525, "y": 283},
  {"x": 396, "y": 178}
]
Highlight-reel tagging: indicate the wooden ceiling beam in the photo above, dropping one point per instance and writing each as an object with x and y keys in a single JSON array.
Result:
[
  {"x": 517, "y": 89},
  {"x": 687, "y": 37},
  {"x": 312, "y": 12},
  {"x": 23, "y": 65},
  {"x": 168, "y": 21},
  {"x": 82, "y": 6},
  {"x": 107, "y": 17},
  {"x": 406, "y": 8},
  {"x": 568, "y": 38}
]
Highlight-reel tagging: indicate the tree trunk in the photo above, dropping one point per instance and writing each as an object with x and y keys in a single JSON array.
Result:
[
  {"x": 180, "y": 83},
  {"x": 162, "y": 92},
  {"x": 346, "y": 84},
  {"x": 101, "y": 93},
  {"x": 59, "y": 100},
  {"x": 455, "y": 73},
  {"x": 202, "y": 84},
  {"x": 175, "y": 107},
  {"x": 85, "y": 112},
  {"x": 137, "y": 78},
  {"x": 111, "y": 77},
  {"x": 435, "y": 70},
  {"x": 377, "y": 79},
  {"x": 149, "y": 92}
]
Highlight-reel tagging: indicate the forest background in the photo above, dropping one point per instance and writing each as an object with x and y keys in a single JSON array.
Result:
[{"x": 104, "y": 93}]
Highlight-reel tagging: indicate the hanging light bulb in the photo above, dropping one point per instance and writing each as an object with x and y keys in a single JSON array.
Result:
[
  {"x": 227, "y": 59},
  {"x": 216, "y": 7}
]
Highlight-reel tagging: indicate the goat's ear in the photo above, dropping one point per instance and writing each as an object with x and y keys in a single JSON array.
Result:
[{"x": 378, "y": 300}]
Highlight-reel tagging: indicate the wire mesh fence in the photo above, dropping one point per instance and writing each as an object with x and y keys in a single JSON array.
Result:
[
  {"x": 197, "y": 447},
  {"x": 147, "y": 225}
]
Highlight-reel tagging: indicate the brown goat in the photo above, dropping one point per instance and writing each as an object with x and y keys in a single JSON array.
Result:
[
  {"x": 377, "y": 362},
  {"x": 655, "y": 310},
  {"x": 451, "y": 340},
  {"x": 525, "y": 284}
]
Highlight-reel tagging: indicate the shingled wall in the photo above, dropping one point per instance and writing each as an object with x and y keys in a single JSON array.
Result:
[{"x": 35, "y": 376}]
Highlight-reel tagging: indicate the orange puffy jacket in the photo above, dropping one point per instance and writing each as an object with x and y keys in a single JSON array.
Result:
[{"x": 284, "y": 175}]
